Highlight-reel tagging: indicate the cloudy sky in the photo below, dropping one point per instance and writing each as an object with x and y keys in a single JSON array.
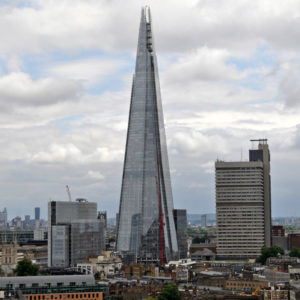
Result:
[{"x": 229, "y": 71}]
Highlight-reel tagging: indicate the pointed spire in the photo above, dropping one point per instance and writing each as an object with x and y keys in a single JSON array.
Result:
[{"x": 141, "y": 229}]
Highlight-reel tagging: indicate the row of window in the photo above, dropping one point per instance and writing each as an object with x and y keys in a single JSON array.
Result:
[
  {"x": 36, "y": 285},
  {"x": 91, "y": 296}
]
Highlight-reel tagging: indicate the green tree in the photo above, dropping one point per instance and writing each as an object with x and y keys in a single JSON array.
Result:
[
  {"x": 203, "y": 239},
  {"x": 269, "y": 252},
  {"x": 170, "y": 292},
  {"x": 295, "y": 252},
  {"x": 26, "y": 268}
]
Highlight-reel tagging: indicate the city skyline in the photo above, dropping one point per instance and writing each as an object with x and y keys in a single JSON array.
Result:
[{"x": 65, "y": 77}]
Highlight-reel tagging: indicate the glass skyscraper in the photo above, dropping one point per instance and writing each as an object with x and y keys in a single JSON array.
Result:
[
  {"x": 75, "y": 233},
  {"x": 146, "y": 223}
]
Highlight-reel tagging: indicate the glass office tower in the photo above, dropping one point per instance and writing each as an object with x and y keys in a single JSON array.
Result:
[
  {"x": 146, "y": 223},
  {"x": 75, "y": 233}
]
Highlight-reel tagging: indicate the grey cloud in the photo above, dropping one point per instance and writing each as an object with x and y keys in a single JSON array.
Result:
[
  {"x": 19, "y": 88},
  {"x": 290, "y": 87},
  {"x": 179, "y": 26}
]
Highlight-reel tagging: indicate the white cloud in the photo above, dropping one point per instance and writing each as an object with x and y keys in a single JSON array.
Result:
[
  {"x": 289, "y": 85},
  {"x": 54, "y": 131},
  {"x": 89, "y": 71},
  {"x": 202, "y": 64},
  {"x": 95, "y": 175},
  {"x": 19, "y": 88}
]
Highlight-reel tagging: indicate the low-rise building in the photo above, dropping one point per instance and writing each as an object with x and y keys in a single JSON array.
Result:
[
  {"x": 102, "y": 267},
  {"x": 52, "y": 287},
  {"x": 276, "y": 294},
  {"x": 275, "y": 276},
  {"x": 245, "y": 285}
]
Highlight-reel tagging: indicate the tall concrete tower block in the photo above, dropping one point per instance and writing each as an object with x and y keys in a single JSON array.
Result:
[
  {"x": 263, "y": 154},
  {"x": 243, "y": 204},
  {"x": 146, "y": 225}
]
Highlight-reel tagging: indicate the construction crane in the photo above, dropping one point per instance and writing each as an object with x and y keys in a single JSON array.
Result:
[
  {"x": 69, "y": 193},
  {"x": 161, "y": 225}
]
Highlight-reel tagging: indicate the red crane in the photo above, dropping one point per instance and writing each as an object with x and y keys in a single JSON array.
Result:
[{"x": 161, "y": 225}]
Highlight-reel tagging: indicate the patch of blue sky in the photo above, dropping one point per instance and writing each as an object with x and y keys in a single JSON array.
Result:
[
  {"x": 263, "y": 57},
  {"x": 3, "y": 67},
  {"x": 37, "y": 64},
  {"x": 65, "y": 124},
  {"x": 16, "y": 3},
  {"x": 112, "y": 84},
  {"x": 253, "y": 81},
  {"x": 261, "y": 101}
]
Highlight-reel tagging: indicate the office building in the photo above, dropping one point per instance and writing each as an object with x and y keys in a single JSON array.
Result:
[
  {"x": 75, "y": 233},
  {"x": 3, "y": 219},
  {"x": 180, "y": 219},
  {"x": 243, "y": 204},
  {"x": 37, "y": 213},
  {"x": 203, "y": 221},
  {"x": 20, "y": 237},
  {"x": 146, "y": 225}
]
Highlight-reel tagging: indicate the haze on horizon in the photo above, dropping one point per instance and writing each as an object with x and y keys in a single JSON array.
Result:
[{"x": 229, "y": 72}]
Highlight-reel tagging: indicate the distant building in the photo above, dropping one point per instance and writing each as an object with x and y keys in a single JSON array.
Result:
[
  {"x": 278, "y": 230},
  {"x": 3, "y": 219},
  {"x": 243, "y": 204},
  {"x": 17, "y": 236},
  {"x": 74, "y": 232},
  {"x": 180, "y": 219},
  {"x": 40, "y": 234},
  {"x": 294, "y": 240},
  {"x": 203, "y": 221},
  {"x": 37, "y": 213},
  {"x": 278, "y": 237}
]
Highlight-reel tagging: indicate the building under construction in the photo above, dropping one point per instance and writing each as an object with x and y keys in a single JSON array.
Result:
[{"x": 75, "y": 232}]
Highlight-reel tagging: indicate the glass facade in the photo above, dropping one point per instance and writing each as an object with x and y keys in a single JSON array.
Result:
[
  {"x": 18, "y": 236},
  {"x": 146, "y": 222},
  {"x": 60, "y": 245},
  {"x": 76, "y": 232},
  {"x": 89, "y": 234},
  {"x": 180, "y": 218},
  {"x": 37, "y": 213}
]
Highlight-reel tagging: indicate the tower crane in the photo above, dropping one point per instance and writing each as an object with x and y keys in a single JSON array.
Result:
[{"x": 69, "y": 193}]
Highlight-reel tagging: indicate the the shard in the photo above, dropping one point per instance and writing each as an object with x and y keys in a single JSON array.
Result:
[{"x": 146, "y": 223}]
